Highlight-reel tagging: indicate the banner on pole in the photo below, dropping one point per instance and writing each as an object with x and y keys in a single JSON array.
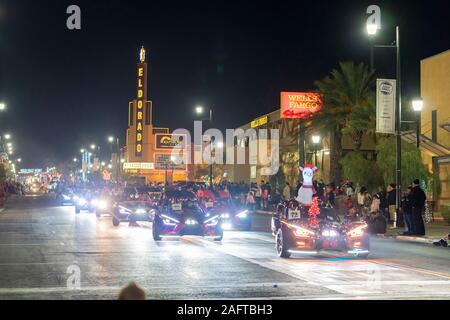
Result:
[{"x": 386, "y": 106}]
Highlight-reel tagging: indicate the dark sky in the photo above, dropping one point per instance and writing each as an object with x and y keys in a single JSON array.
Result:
[{"x": 66, "y": 89}]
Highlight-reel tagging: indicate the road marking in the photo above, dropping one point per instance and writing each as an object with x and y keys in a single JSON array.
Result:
[{"x": 420, "y": 270}]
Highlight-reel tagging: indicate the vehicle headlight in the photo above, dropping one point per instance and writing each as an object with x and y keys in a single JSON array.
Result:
[
  {"x": 330, "y": 233},
  {"x": 191, "y": 222},
  {"x": 212, "y": 221},
  {"x": 226, "y": 226},
  {"x": 300, "y": 231},
  {"x": 169, "y": 220},
  {"x": 66, "y": 197},
  {"x": 102, "y": 204},
  {"x": 94, "y": 202},
  {"x": 225, "y": 215},
  {"x": 242, "y": 214},
  {"x": 81, "y": 201},
  {"x": 357, "y": 232},
  {"x": 75, "y": 198},
  {"x": 141, "y": 211}
]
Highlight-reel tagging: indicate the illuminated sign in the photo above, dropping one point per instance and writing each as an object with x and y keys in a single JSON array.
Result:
[
  {"x": 160, "y": 130},
  {"x": 170, "y": 141},
  {"x": 138, "y": 165},
  {"x": 164, "y": 161},
  {"x": 259, "y": 122},
  {"x": 32, "y": 171},
  {"x": 299, "y": 105},
  {"x": 140, "y": 106}
]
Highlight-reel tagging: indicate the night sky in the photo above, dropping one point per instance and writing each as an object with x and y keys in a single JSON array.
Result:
[{"x": 66, "y": 89}]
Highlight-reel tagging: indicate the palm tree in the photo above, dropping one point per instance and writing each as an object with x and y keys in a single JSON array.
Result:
[{"x": 348, "y": 108}]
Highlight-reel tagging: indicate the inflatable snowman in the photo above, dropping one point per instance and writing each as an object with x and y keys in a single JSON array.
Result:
[{"x": 306, "y": 192}]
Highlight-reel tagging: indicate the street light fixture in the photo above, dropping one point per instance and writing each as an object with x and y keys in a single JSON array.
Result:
[
  {"x": 417, "y": 107},
  {"x": 7, "y": 136},
  {"x": 371, "y": 29},
  {"x": 199, "y": 109},
  {"x": 2, "y": 106},
  {"x": 75, "y": 160},
  {"x": 316, "y": 139},
  {"x": 93, "y": 146},
  {"x": 19, "y": 160},
  {"x": 82, "y": 150},
  {"x": 9, "y": 145}
]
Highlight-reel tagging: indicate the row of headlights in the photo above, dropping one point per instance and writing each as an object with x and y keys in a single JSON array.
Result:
[
  {"x": 306, "y": 233},
  {"x": 241, "y": 215}
]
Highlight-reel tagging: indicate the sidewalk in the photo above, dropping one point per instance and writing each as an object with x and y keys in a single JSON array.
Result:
[{"x": 433, "y": 231}]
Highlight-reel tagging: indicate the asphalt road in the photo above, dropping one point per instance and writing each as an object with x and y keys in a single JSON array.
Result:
[{"x": 47, "y": 252}]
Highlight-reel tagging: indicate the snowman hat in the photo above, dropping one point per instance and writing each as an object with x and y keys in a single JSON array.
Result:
[{"x": 309, "y": 166}]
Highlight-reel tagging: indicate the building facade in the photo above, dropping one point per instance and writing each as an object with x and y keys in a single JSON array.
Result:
[
  {"x": 435, "y": 121},
  {"x": 148, "y": 153}
]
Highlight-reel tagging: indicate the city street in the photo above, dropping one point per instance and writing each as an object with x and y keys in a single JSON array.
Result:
[{"x": 41, "y": 244}]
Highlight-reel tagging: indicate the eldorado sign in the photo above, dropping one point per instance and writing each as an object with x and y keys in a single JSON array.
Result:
[{"x": 299, "y": 105}]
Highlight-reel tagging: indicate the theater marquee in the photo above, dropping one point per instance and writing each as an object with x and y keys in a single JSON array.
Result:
[
  {"x": 140, "y": 103},
  {"x": 170, "y": 141}
]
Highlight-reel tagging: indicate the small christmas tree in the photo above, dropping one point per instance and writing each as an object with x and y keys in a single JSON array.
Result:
[{"x": 313, "y": 211}]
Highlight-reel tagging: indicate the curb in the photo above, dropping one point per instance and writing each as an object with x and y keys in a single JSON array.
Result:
[{"x": 408, "y": 238}]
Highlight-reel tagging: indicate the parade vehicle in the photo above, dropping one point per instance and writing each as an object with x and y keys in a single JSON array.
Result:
[
  {"x": 179, "y": 213},
  {"x": 131, "y": 211},
  {"x": 103, "y": 205},
  {"x": 65, "y": 198},
  {"x": 234, "y": 215},
  {"x": 300, "y": 230},
  {"x": 85, "y": 200}
]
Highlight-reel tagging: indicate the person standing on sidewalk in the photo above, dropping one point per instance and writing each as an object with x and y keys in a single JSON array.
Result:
[
  {"x": 407, "y": 211},
  {"x": 391, "y": 201},
  {"x": 287, "y": 191},
  {"x": 382, "y": 195},
  {"x": 418, "y": 199}
]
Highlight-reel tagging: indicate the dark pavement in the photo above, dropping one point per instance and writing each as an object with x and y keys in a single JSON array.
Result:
[{"x": 47, "y": 252}]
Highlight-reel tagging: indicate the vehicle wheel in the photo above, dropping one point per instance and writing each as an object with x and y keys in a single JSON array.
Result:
[
  {"x": 115, "y": 222},
  {"x": 219, "y": 236},
  {"x": 132, "y": 219},
  {"x": 156, "y": 230},
  {"x": 77, "y": 210},
  {"x": 282, "y": 245}
]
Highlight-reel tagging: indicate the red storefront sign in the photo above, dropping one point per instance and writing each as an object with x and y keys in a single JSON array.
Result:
[{"x": 299, "y": 105}]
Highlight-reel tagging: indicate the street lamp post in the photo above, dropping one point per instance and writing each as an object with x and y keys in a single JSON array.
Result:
[
  {"x": 315, "y": 140},
  {"x": 199, "y": 110},
  {"x": 372, "y": 30},
  {"x": 111, "y": 140},
  {"x": 417, "y": 107}
]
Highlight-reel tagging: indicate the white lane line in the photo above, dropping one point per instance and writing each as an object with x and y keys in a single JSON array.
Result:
[{"x": 329, "y": 277}]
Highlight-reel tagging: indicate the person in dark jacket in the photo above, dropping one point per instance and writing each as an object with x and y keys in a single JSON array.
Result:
[
  {"x": 383, "y": 201},
  {"x": 417, "y": 198},
  {"x": 391, "y": 202},
  {"x": 407, "y": 211}
]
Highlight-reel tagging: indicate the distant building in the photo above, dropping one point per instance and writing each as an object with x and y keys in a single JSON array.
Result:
[
  {"x": 435, "y": 119},
  {"x": 148, "y": 153}
]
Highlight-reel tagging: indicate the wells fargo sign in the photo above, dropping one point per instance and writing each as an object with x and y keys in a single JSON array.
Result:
[
  {"x": 140, "y": 103},
  {"x": 170, "y": 141},
  {"x": 298, "y": 105}
]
